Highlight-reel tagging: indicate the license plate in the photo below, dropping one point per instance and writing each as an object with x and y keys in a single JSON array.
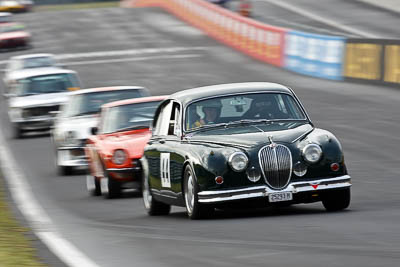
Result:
[{"x": 280, "y": 196}]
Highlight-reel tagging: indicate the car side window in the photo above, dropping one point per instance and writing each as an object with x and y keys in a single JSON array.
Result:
[
  {"x": 163, "y": 119},
  {"x": 174, "y": 122}
]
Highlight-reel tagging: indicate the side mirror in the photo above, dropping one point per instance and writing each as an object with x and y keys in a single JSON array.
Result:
[{"x": 94, "y": 130}]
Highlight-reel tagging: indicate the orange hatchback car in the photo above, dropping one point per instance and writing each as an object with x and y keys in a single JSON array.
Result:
[{"x": 117, "y": 144}]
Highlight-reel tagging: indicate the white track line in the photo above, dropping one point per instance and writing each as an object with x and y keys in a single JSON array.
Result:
[
  {"x": 39, "y": 221},
  {"x": 128, "y": 52},
  {"x": 316, "y": 17},
  {"x": 106, "y": 61}
]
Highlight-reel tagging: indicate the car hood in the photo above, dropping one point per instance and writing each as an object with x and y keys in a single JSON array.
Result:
[
  {"x": 133, "y": 142},
  {"x": 80, "y": 125},
  {"x": 251, "y": 136},
  {"x": 38, "y": 100}
]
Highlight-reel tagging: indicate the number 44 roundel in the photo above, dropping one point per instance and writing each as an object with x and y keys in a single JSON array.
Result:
[{"x": 165, "y": 170}]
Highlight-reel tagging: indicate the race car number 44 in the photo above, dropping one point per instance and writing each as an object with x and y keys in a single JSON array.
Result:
[{"x": 280, "y": 196}]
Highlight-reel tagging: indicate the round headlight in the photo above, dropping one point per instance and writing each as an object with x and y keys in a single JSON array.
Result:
[
  {"x": 119, "y": 157},
  {"x": 299, "y": 169},
  {"x": 238, "y": 161},
  {"x": 312, "y": 153},
  {"x": 16, "y": 113}
]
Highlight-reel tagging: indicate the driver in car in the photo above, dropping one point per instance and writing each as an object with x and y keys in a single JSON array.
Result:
[{"x": 212, "y": 112}]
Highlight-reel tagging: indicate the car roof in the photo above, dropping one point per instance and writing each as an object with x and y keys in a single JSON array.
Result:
[
  {"x": 27, "y": 73},
  {"x": 135, "y": 100},
  {"x": 104, "y": 89},
  {"x": 189, "y": 95},
  {"x": 32, "y": 56}
]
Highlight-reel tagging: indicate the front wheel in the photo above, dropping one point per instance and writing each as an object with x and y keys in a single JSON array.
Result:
[
  {"x": 93, "y": 185},
  {"x": 113, "y": 187},
  {"x": 152, "y": 206},
  {"x": 195, "y": 210},
  {"x": 64, "y": 170},
  {"x": 17, "y": 132},
  {"x": 336, "y": 200}
]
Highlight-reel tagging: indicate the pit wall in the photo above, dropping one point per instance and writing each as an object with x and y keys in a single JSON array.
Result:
[{"x": 322, "y": 56}]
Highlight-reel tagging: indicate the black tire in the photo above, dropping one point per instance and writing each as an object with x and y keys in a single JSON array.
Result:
[
  {"x": 96, "y": 191},
  {"x": 64, "y": 170},
  {"x": 195, "y": 210},
  {"x": 152, "y": 206},
  {"x": 114, "y": 188},
  {"x": 17, "y": 132},
  {"x": 336, "y": 200}
]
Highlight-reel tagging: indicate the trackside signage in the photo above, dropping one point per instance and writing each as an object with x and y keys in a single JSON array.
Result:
[
  {"x": 323, "y": 56},
  {"x": 261, "y": 41},
  {"x": 373, "y": 60},
  {"x": 315, "y": 55}
]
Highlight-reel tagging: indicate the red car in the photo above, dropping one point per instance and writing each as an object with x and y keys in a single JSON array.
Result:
[
  {"x": 13, "y": 35},
  {"x": 116, "y": 146}
]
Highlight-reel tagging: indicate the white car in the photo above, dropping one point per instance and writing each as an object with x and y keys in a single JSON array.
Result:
[
  {"x": 76, "y": 119},
  {"x": 36, "y": 95},
  {"x": 21, "y": 63}
]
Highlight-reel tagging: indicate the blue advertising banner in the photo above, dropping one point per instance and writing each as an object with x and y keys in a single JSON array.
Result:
[{"x": 314, "y": 54}]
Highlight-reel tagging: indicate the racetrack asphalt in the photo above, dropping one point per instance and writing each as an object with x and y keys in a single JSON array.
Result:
[{"x": 119, "y": 233}]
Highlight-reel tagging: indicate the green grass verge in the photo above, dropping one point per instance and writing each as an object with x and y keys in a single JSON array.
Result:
[
  {"x": 40, "y": 8},
  {"x": 15, "y": 247}
]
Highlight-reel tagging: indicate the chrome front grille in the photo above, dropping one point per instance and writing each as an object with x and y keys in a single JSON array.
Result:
[
  {"x": 39, "y": 111},
  {"x": 276, "y": 164}
]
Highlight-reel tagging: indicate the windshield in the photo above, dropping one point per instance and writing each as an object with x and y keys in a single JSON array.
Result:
[
  {"x": 90, "y": 103},
  {"x": 243, "y": 108},
  {"x": 129, "y": 117},
  {"x": 38, "y": 62},
  {"x": 54, "y": 83}
]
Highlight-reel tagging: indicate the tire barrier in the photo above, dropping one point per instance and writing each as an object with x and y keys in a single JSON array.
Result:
[{"x": 322, "y": 56}]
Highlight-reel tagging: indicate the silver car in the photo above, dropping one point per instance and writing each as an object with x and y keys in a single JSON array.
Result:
[
  {"x": 76, "y": 119},
  {"x": 36, "y": 95}
]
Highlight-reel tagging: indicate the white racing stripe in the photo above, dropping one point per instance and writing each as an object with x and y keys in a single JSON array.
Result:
[
  {"x": 303, "y": 12},
  {"x": 39, "y": 221}
]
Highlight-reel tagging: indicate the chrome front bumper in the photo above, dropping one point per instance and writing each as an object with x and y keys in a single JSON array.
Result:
[
  {"x": 263, "y": 191},
  {"x": 71, "y": 156}
]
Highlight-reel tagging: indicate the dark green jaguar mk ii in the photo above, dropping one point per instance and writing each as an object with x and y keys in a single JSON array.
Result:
[{"x": 244, "y": 143}]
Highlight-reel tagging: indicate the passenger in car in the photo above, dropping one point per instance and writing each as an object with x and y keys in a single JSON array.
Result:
[{"x": 265, "y": 108}]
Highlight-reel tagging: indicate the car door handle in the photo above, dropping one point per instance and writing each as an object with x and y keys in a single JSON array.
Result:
[{"x": 162, "y": 141}]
